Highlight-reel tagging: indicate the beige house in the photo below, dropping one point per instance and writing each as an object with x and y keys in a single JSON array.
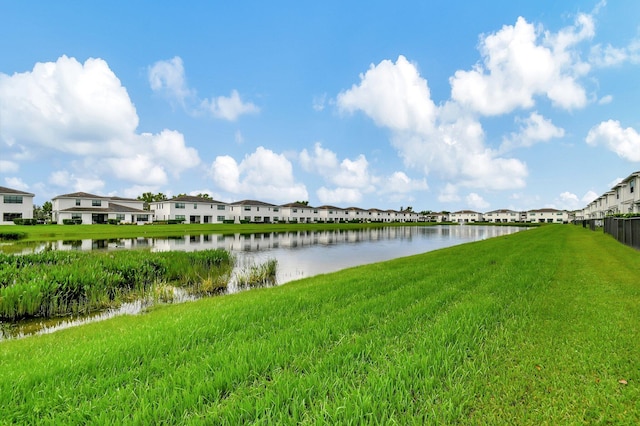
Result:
[{"x": 15, "y": 204}]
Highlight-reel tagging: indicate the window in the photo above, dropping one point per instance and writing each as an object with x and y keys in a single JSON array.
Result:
[
  {"x": 195, "y": 207},
  {"x": 220, "y": 219},
  {"x": 78, "y": 203},
  {"x": 294, "y": 210},
  {"x": 143, "y": 218},
  {"x": 632, "y": 185},
  {"x": 179, "y": 217},
  {"x": 221, "y": 207},
  {"x": 13, "y": 199},
  {"x": 247, "y": 218},
  {"x": 8, "y": 217},
  {"x": 96, "y": 203},
  {"x": 247, "y": 208},
  {"x": 180, "y": 206},
  {"x": 119, "y": 216},
  {"x": 276, "y": 209},
  {"x": 76, "y": 216}
]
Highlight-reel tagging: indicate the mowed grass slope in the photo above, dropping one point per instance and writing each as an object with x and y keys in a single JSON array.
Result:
[{"x": 538, "y": 327}]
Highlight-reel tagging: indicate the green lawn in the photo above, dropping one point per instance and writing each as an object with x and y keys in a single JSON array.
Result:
[{"x": 538, "y": 327}]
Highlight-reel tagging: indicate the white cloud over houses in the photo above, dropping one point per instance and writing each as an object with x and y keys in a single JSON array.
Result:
[
  {"x": 7, "y": 166},
  {"x": 533, "y": 129},
  {"x": 623, "y": 141},
  {"x": 229, "y": 108},
  {"x": 82, "y": 109},
  {"x": 263, "y": 175},
  {"x": 350, "y": 180},
  {"x": 168, "y": 77},
  {"x": 522, "y": 61},
  {"x": 63, "y": 179},
  {"x": 446, "y": 140},
  {"x": 475, "y": 201},
  {"x": 16, "y": 183}
]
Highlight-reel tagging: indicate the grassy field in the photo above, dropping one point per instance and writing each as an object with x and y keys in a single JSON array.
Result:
[
  {"x": 76, "y": 232},
  {"x": 538, "y": 327}
]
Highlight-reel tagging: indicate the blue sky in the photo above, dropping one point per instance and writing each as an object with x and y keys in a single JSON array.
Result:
[{"x": 440, "y": 105}]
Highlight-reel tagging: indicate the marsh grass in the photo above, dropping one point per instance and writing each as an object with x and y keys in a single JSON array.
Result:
[
  {"x": 538, "y": 327},
  {"x": 54, "y": 283},
  {"x": 260, "y": 275}
]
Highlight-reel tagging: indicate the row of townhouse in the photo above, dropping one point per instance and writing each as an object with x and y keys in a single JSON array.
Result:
[
  {"x": 85, "y": 208},
  {"x": 546, "y": 215},
  {"x": 623, "y": 198},
  {"x": 205, "y": 210}
]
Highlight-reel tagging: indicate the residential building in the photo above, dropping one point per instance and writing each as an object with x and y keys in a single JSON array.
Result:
[
  {"x": 15, "y": 204},
  {"x": 298, "y": 213},
  {"x": 630, "y": 188},
  {"x": 466, "y": 216},
  {"x": 331, "y": 214},
  {"x": 85, "y": 208},
  {"x": 191, "y": 209},
  {"x": 502, "y": 216},
  {"x": 254, "y": 211},
  {"x": 548, "y": 215}
]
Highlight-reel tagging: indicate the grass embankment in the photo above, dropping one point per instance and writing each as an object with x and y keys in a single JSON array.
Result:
[
  {"x": 539, "y": 327},
  {"x": 75, "y": 232}
]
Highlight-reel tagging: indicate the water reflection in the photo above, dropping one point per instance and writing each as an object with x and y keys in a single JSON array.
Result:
[{"x": 301, "y": 253}]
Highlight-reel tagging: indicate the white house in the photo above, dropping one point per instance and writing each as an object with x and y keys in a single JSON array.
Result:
[
  {"x": 331, "y": 214},
  {"x": 465, "y": 216},
  {"x": 15, "y": 204},
  {"x": 84, "y": 208},
  {"x": 548, "y": 216},
  {"x": 630, "y": 199},
  {"x": 502, "y": 216},
  {"x": 191, "y": 209},
  {"x": 298, "y": 213},
  {"x": 254, "y": 211}
]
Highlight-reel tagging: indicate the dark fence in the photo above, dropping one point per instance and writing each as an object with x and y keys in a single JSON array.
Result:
[{"x": 625, "y": 230}]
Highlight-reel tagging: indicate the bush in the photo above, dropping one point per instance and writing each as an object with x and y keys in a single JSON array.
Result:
[
  {"x": 229, "y": 221},
  {"x": 113, "y": 221},
  {"x": 72, "y": 221},
  {"x": 243, "y": 221}
]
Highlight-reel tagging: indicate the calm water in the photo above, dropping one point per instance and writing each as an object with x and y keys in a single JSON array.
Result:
[{"x": 303, "y": 253}]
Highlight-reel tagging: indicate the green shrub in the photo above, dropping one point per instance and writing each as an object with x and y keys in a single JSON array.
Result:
[{"x": 113, "y": 221}]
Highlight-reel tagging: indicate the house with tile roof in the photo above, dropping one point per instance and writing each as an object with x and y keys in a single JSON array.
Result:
[{"x": 15, "y": 204}]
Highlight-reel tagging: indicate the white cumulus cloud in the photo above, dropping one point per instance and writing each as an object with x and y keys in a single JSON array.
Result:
[
  {"x": 263, "y": 174},
  {"x": 520, "y": 62},
  {"x": 82, "y": 109},
  {"x": 532, "y": 130},
  {"x": 168, "y": 77},
  {"x": 446, "y": 140},
  {"x": 475, "y": 201},
  {"x": 610, "y": 134}
]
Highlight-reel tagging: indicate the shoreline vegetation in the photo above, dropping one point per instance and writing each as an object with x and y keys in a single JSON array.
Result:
[{"x": 536, "y": 327}]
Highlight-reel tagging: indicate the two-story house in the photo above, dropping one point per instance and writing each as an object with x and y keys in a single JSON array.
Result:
[
  {"x": 85, "y": 208},
  {"x": 15, "y": 204}
]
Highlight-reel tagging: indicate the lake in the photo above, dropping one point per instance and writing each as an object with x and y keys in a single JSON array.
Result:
[{"x": 303, "y": 253}]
